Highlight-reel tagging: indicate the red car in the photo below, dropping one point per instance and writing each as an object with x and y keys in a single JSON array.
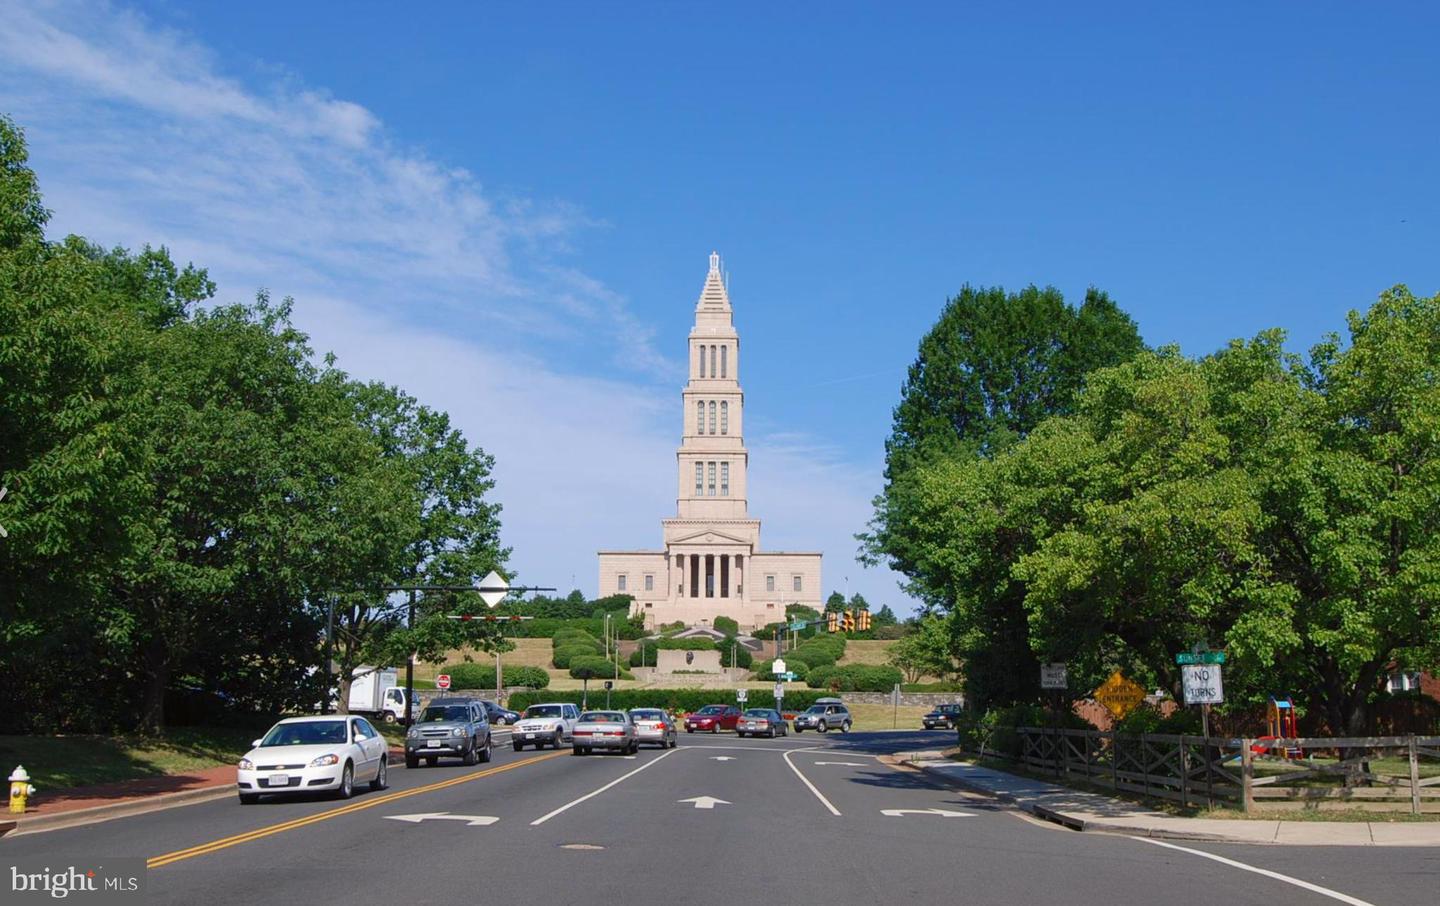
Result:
[{"x": 713, "y": 718}]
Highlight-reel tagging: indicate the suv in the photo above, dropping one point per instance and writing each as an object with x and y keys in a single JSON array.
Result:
[
  {"x": 553, "y": 723},
  {"x": 449, "y": 728},
  {"x": 825, "y": 714},
  {"x": 942, "y": 717}
]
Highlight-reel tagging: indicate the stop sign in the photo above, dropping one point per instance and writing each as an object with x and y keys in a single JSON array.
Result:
[{"x": 442, "y": 681}]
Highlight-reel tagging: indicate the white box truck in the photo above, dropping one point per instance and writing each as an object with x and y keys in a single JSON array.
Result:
[{"x": 373, "y": 691}]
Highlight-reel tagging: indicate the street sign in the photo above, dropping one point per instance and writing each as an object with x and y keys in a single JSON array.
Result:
[
  {"x": 778, "y": 666},
  {"x": 798, "y": 626},
  {"x": 1200, "y": 657},
  {"x": 788, "y": 677},
  {"x": 779, "y": 691},
  {"x": 1053, "y": 676},
  {"x": 493, "y": 588},
  {"x": 742, "y": 694},
  {"x": 609, "y": 684},
  {"x": 1202, "y": 684},
  {"x": 442, "y": 681},
  {"x": 1119, "y": 695}
]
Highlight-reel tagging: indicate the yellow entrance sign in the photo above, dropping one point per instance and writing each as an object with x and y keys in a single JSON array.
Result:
[{"x": 1119, "y": 695}]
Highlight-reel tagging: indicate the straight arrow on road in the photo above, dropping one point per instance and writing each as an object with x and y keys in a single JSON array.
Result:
[
  {"x": 721, "y": 758},
  {"x": 470, "y": 820},
  {"x": 705, "y": 801},
  {"x": 943, "y": 813}
]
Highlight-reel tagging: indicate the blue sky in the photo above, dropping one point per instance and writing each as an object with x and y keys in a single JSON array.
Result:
[{"x": 508, "y": 210}]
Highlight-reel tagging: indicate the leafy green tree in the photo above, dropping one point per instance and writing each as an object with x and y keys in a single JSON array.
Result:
[
  {"x": 925, "y": 652},
  {"x": 835, "y": 603},
  {"x": 885, "y": 616}
]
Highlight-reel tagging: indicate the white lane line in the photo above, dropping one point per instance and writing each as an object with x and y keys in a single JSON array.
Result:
[
  {"x": 569, "y": 805},
  {"x": 1313, "y": 888},
  {"x": 805, "y": 780}
]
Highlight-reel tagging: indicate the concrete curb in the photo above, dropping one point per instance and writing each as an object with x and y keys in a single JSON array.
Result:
[
  {"x": 139, "y": 805},
  {"x": 1064, "y": 819}
]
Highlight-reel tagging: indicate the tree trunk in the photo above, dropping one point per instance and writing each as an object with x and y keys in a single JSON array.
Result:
[{"x": 157, "y": 666}]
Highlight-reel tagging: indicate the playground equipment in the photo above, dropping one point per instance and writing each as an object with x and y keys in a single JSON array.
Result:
[{"x": 1282, "y": 724}]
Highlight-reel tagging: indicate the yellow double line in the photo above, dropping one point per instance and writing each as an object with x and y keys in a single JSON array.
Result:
[{"x": 227, "y": 842}]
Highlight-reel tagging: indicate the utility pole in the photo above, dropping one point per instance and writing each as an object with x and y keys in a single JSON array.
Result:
[{"x": 329, "y": 652}]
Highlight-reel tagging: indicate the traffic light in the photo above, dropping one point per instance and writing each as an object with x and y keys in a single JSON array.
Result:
[
  {"x": 848, "y": 621},
  {"x": 832, "y": 621},
  {"x": 862, "y": 620}
]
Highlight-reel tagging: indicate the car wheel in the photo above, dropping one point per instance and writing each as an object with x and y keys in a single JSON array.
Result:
[
  {"x": 689, "y": 729},
  {"x": 382, "y": 776},
  {"x": 714, "y": 728},
  {"x": 430, "y": 762},
  {"x": 845, "y": 727},
  {"x": 249, "y": 798},
  {"x": 821, "y": 728},
  {"x": 347, "y": 782},
  {"x": 558, "y": 739},
  {"x": 389, "y": 717},
  {"x": 518, "y": 746},
  {"x": 488, "y": 752},
  {"x": 576, "y": 751},
  {"x": 799, "y": 729},
  {"x": 469, "y": 757},
  {"x": 635, "y": 747},
  {"x": 411, "y": 761}
]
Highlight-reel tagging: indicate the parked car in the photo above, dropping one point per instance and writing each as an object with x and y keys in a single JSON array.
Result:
[
  {"x": 449, "y": 727},
  {"x": 713, "y": 718},
  {"x": 826, "y": 714},
  {"x": 654, "y": 725},
  {"x": 552, "y": 723},
  {"x": 762, "y": 722},
  {"x": 498, "y": 715},
  {"x": 942, "y": 717},
  {"x": 314, "y": 754},
  {"x": 612, "y": 730}
]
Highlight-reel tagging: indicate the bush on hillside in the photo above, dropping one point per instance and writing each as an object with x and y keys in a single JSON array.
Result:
[
  {"x": 481, "y": 677},
  {"x": 725, "y": 625},
  {"x": 599, "y": 667},
  {"x": 854, "y": 678},
  {"x": 564, "y": 657}
]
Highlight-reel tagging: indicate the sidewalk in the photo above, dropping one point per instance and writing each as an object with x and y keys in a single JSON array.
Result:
[
  {"x": 101, "y": 802},
  {"x": 1097, "y": 812}
]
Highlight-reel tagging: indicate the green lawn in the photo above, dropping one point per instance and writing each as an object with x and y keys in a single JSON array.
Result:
[{"x": 64, "y": 761}]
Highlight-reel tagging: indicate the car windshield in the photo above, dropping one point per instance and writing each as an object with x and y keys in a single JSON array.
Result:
[
  {"x": 543, "y": 711},
  {"x": 440, "y": 713},
  {"x": 602, "y": 717},
  {"x": 713, "y": 709},
  {"x": 648, "y": 715},
  {"x": 757, "y": 712},
  {"x": 820, "y": 709},
  {"x": 306, "y": 733}
]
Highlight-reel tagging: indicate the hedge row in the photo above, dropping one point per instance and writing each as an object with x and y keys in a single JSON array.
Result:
[
  {"x": 644, "y": 655},
  {"x": 482, "y": 676},
  {"x": 547, "y": 628},
  {"x": 599, "y": 667},
  {"x": 854, "y": 678},
  {"x": 820, "y": 651},
  {"x": 676, "y": 701}
]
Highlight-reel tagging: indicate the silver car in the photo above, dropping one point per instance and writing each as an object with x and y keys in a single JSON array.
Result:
[
  {"x": 612, "y": 730},
  {"x": 762, "y": 722},
  {"x": 654, "y": 725}
]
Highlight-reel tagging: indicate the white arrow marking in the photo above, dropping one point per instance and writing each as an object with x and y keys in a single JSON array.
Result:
[
  {"x": 705, "y": 801},
  {"x": 943, "y": 813},
  {"x": 470, "y": 820},
  {"x": 721, "y": 758},
  {"x": 852, "y": 764}
]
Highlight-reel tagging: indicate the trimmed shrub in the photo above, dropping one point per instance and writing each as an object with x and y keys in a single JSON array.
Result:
[
  {"x": 854, "y": 678},
  {"x": 599, "y": 666},
  {"x": 725, "y": 625},
  {"x": 564, "y": 657},
  {"x": 932, "y": 687},
  {"x": 481, "y": 677}
]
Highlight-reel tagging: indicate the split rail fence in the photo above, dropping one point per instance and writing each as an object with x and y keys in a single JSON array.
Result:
[{"x": 1381, "y": 773}]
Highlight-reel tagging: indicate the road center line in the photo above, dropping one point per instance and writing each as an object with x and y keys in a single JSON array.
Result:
[
  {"x": 805, "y": 780},
  {"x": 1313, "y": 888},
  {"x": 621, "y": 779},
  {"x": 248, "y": 836}
]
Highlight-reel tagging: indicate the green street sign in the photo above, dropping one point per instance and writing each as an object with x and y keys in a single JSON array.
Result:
[
  {"x": 798, "y": 626},
  {"x": 1202, "y": 657}
]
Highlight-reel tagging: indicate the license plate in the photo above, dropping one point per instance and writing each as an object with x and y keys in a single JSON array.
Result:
[
  {"x": 432, "y": 744},
  {"x": 531, "y": 735},
  {"x": 279, "y": 780}
]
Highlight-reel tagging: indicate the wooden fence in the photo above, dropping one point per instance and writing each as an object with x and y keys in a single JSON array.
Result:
[{"x": 1383, "y": 773}]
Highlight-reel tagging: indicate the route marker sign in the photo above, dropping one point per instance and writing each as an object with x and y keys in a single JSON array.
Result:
[
  {"x": 707, "y": 802},
  {"x": 742, "y": 695},
  {"x": 1053, "y": 676},
  {"x": 1202, "y": 684},
  {"x": 778, "y": 666},
  {"x": 1119, "y": 695},
  {"x": 442, "y": 681}
]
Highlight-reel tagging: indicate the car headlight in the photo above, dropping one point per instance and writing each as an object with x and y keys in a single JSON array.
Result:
[
  {"x": 324, "y": 760},
  {"x": 246, "y": 764},
  {"x": 458, "y": 731},
  {"x": 413, "y": 732}
]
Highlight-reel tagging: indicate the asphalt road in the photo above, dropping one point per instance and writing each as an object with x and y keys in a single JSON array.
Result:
[{"x": 801, "y": 820}]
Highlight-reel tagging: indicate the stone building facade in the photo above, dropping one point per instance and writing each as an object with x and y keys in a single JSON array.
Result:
[{"x": 712, "y": 563}]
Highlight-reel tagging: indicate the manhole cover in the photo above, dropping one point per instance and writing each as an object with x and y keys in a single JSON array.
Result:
[{"x": 588, "y": 846}]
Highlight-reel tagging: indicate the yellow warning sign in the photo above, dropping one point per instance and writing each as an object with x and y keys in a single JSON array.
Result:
[{"x": 1119, "y": 695}]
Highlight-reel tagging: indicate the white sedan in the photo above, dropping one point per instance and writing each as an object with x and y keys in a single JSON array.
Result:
[{"x": 314, "y": 754}]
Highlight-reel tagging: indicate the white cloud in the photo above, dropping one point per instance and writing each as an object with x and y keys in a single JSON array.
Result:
[{"x": 408, "y": 269}]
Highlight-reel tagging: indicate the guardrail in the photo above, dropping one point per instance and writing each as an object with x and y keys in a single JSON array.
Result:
[{"x": 1382, "y": 773}]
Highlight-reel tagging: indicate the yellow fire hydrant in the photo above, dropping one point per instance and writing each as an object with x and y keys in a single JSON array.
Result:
[{"x": 20, "y": 790}]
